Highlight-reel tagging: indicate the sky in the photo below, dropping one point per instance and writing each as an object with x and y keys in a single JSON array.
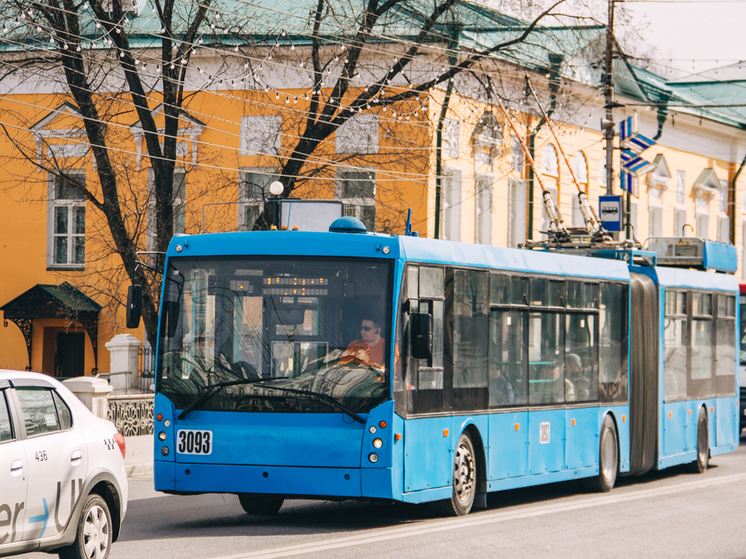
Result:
[{"x": 692, "y": 35}]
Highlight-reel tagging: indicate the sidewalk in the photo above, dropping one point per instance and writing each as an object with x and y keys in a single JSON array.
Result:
[{"x": 138, "y": 458}]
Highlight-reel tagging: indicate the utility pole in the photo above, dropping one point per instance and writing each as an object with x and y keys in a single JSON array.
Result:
[{"x": 608, "y": 123}]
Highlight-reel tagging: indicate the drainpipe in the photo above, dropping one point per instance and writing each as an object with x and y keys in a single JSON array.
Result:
[
  {"x": 439, "y": 158},
  {"x": 662, "y": 114},
  {"x": 452, "y": 59},
  {"x": 555, "y": 60},
  {"x": 733, "y": 203}
]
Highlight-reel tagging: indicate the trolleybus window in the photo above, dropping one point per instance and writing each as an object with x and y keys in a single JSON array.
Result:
[
  {"x": 701, "y": 384},
  {"x": 725, "y": 355},
  {"x": 299, "y": 335},
  {"x": 613, "y": 342},
  {"x": 675, "y": 346}
]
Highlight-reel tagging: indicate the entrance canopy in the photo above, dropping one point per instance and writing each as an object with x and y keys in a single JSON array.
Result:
[{"x": 62, "y": 301}]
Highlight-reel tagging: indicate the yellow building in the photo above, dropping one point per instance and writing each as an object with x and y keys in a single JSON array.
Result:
[{"x": 447, "y": 152}]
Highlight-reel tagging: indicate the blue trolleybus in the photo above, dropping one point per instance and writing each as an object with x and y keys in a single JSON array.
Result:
[{"x": 354, "y": 365}]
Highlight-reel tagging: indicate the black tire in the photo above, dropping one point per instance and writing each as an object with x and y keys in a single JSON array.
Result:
[
  {"x": 264, "y": 506},
  {"x": 608, "y": 459},
  {"x": 464, "y": 480},
  {"x": 94, "y": 533},
  {"x": 699, "y": 466}
]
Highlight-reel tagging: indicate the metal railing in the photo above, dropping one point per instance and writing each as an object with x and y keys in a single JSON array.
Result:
[{"x": 146, "y": 373}]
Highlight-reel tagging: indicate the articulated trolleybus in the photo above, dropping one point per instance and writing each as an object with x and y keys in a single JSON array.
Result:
[{"x": 354, "y": 365}]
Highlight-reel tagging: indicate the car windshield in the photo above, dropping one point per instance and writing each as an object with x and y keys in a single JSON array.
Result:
[{"x": 312, "y": 325}]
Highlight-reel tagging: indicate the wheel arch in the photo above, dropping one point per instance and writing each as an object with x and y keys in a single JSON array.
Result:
[
  {"x": 478, "y": 443},
  {"x": 612, "y": 415},
  {"x": 109, "y": 493}
]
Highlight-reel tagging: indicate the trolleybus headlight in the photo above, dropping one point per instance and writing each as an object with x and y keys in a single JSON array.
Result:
[
  {"x": 167, "y": 423},
  {"x": 161, "y": 436},
  {"x": 372, "y": 429},
  {"x": 373, "y": 457},
  {"x": 377, "y": 443},
  {"x": 164, "y": 451}
]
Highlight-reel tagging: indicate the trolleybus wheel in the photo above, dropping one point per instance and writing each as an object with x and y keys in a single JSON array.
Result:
[
  {"x": 699, "y": 466},
  {"x": 464, "y": 480},
  {"x": 266, "y": 506},
  {"x": 608, "y": 459}
]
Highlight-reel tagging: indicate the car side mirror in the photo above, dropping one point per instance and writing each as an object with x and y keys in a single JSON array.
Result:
[
  {"x": 134, "y": 306},
  {"x": 421, "y": 330}
]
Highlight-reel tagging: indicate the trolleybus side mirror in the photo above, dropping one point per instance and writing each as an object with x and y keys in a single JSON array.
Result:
[
  {"x": 134, "y": 306},
  {"x": 421, "y": 327}
]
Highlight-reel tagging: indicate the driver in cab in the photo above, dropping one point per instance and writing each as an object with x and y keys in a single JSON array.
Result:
[{"x": 369, "y": 349}]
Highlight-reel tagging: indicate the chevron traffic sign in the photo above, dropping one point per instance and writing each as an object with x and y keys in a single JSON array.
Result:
[
  {"x": 630, "y": 137},
  {"x": 632, "y": 144},
  {"x": 634, "y": 164},
  {"x": 629, "y": 183}
]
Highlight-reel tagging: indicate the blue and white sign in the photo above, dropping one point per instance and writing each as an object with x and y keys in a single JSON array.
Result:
[
  {"x": 635, "y": 164},
  {"x": 610, "y": 212},
  {"x": 632, "y": 144}
]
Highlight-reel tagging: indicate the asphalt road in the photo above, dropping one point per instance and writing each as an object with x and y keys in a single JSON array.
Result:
[{"x": 663, "y": 514}]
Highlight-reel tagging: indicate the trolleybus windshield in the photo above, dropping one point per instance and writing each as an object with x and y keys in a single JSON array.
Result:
[{"x": 275, "y": 335}]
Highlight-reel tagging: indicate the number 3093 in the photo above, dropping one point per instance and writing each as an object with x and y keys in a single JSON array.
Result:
[{"x": 193, "y": 442}]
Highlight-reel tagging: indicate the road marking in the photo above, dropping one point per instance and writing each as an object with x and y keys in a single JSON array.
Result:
[{"x": 397, "y": 532}]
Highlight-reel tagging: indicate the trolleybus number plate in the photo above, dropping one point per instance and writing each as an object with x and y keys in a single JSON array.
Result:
[{"x": 189, "y": 441}]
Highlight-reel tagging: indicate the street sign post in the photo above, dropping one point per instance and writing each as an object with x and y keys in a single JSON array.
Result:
[{"x": 610, "y": 212}]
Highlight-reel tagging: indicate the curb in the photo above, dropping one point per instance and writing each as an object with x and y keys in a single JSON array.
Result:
[{"x": 142, "y": 469}]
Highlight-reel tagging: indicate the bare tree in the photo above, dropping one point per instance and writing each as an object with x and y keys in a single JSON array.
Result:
[{"x": 360, "y": 59}]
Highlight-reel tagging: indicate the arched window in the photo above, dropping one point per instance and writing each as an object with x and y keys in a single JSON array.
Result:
[
  {"x": 580, "y": 167},
  {"x": 549, "y": 161}
]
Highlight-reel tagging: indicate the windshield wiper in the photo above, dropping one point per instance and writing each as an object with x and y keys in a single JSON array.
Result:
[
  {"x": 213, "y": 389},
  {"x": 333, "y": 401}
]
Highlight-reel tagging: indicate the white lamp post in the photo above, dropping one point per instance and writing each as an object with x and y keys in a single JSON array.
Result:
[{"x": 275, "y": 189}]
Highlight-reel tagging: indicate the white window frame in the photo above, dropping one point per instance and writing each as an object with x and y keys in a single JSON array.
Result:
[
  {"x": 550, "y": 161},
  {"x": 723, "y": 229},
  {"x": 359, "y": 135},
  {"x": 679, "y": 222},
  {"x": 261, "y": 135},
  {"x": 681, "y": 187},
  {"x": 452, "y": 197},
  {"x": 487, "y": 139},
  {"x": 483, "y": 222},
  {"x": 248, "y": 199},
  {"x": 450, "y": 138},
  {"x": 655, "y": 210},
  {"x": 517, "y": 157},
  {"x": 655, "y": 220},
  {"x": 518, "y": 209},
  {"x": 723, "y": 233},
  {"x": 702, "y": 215},
  {"x": 179, "y": 203},
  {"x": 580, "y": 167},
  {"x": 361, "y": 206},
  {"x": 71, "y": 205}
]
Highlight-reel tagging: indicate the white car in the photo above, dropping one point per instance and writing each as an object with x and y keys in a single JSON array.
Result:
[{"x": 63, "y": 485}]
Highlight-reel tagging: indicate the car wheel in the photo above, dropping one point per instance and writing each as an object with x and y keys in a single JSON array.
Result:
[
  {"x": 265, "y": 506},
  {"x": 464, "y": 480},
  {"x": 699, "y": 466},
  {"x": 94, "y": 533}
]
